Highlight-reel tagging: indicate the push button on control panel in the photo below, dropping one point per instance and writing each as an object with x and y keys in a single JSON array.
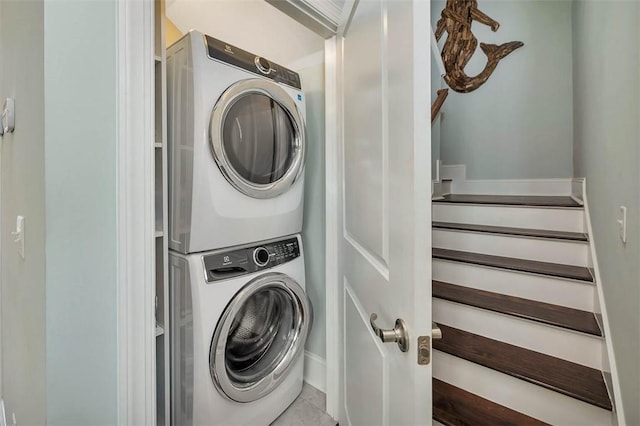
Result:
[{"x": 286, "y": 250}]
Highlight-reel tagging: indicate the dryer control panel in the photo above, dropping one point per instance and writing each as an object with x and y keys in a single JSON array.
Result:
[
  {"x": 229, "y": 54},
  {"x": 228, "y": 264}
]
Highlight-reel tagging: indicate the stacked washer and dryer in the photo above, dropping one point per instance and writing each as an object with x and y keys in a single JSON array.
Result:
[{"x": 239, "y": 314}]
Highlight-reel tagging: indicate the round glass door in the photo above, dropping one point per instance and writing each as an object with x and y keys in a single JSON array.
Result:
[
  {"x": 259, "y": 337},
  {"x": 258, "y": 138}
]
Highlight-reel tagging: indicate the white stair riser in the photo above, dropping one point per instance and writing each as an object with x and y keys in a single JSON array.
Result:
[
  {"x": 556, "y": 219},
  {"x": 527, "y": 398},
  {"x": 543, "y": 250},
  {"x": 560, "y": 343},
  {"x": 573, "y": 294}
]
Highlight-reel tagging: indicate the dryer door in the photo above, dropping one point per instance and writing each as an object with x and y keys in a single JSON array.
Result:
[
  {"x": 257, "y": 136},
  {"x": 259, "y": 337}
]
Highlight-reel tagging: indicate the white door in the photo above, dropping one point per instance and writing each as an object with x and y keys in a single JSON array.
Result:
[{"x": 384, "y": 241}]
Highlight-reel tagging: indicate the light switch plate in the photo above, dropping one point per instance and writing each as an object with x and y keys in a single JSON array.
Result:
[
  {"x": 622, "y": 222},
  {"x": 8, "y": 115},
  {"x": 18, "y": 235},
  {"x": 3, "y": 414}
]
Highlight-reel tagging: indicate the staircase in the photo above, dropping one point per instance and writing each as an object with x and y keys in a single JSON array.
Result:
[{"x": 514, "y": 296}]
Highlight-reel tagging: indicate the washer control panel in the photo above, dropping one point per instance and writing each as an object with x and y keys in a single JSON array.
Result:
[
  {"x": 229, "y": 54},
  {"x": 228, "y": 264}
]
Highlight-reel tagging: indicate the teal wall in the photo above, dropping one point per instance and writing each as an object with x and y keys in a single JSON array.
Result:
[
  {"x": 519, "y": 124},
  {"x": 80, "y": 183},
  {"x": 22, "y": 193},
  {"x": 607, "y": 108}
]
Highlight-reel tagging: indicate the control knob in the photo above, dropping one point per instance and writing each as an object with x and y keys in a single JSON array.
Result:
[
  {"x": 261, "y": 256},
  {"x": 263, "y": 65}
]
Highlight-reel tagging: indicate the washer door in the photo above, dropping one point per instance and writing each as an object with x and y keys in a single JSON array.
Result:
[
  {"x": 257, "y": 136},
  {"x": 259, "y": 337}
]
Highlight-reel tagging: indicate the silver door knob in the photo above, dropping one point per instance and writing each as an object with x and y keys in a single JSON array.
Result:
[
  {"x": 398, "y": 334},
  {"x": 436, "y": 333}
]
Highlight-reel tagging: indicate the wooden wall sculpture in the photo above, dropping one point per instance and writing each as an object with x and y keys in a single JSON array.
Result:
[{"x": 456, "y": 20}]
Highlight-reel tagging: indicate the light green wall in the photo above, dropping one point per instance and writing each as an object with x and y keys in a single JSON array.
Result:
[
  {"x": 80, "y": 175},
  {"x": 313, "y": 232},
  {"x": 607, "y": 111},
  {"x": 22, "y": 193},
  {"x": 519, "y": 124}
]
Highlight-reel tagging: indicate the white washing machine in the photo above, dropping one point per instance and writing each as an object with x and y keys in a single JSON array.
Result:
[
  {"x": 236, "y": 137},
  {"x": 239, "y": 321}
]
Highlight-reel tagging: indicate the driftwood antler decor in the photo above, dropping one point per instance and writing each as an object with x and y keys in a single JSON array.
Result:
[{"x": 456, "y": 20}]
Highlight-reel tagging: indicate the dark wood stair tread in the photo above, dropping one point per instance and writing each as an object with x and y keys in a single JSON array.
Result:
[
  {"x": 577, "y": 381},
  {"x": 523, "y": 265},
  {"x": 511, "y": 200},
  {"x": 453, "y": 406},
  {"x": 560, "y": 316},
  {"x": 521, "y": 232}
]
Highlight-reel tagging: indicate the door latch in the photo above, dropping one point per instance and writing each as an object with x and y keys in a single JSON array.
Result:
[
  {"x": 424, "y": 344},
  {"x": 424, "y": 350}
]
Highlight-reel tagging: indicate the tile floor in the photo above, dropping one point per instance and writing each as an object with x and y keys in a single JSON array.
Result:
[{"x": 307, "y": 410}]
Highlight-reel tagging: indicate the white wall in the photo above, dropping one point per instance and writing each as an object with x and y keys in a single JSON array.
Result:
[
  {"x": 22, "y": 193},
  {"x": 607, "y": 107},
  {"x": 519, "y": 123},
  {"x": 80, "y": 176},
  {"x": 252, "y": 25},
  {"x": 258, "y": 27},
  {"x": 313, "y": 231}
]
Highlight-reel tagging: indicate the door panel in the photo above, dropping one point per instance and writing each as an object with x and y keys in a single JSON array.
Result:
[
  {"x": 365, "y": 175},
  {"x": 367, "y": 374},
  {"x": 385, "y": 243}
]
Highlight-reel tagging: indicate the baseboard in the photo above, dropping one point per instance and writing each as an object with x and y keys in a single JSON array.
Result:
[
  {"x": 315, "y": 371},
  {"x": 609, "y": 367},
  {"x": 437, "y": 190},
  {"x": 457, "y": 174},
  {"x": 540, "y": 187},
  {"x": 577, "y": 188}
]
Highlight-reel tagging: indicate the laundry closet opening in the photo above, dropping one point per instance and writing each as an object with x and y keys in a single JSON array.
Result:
[{"x": 291, "y": 59}]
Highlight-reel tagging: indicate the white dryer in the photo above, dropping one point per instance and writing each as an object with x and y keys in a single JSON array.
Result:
[
  {"x": 239, "y": 321},
  {"x": 236, "y": 127}
]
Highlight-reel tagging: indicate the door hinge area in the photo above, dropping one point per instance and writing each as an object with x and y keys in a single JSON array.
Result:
[{"x": 424, "y": 350}]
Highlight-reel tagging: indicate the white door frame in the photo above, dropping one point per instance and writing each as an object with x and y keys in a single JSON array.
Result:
[
  {"x": 135, "y": 214},
  {"x": 333, "y": 220}
]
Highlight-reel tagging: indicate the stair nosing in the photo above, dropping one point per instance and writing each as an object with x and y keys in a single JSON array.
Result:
[
  {"x": 514, "y": 312},
  {"x": 439, "y": 386},
  {"x": 523, "y": 206},
  {"x": 578, "y": 237},
  {"x": 437, "y": 253},
  {"x": 597, "y": 402},
  {"x": 535, "y": 201}
]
